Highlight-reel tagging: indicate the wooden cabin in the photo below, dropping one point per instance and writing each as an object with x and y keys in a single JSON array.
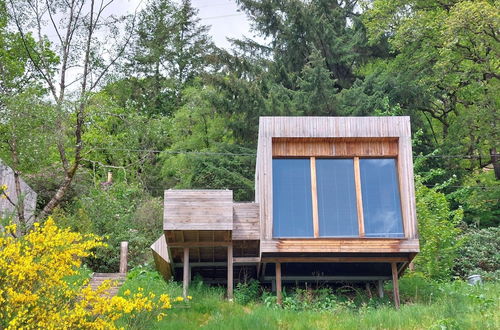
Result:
[
  {"x": 334, "y": 201},
  {"x": 10, "y": 201}
]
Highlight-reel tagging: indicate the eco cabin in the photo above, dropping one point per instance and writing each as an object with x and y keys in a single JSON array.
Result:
[{"x": 334, "y": 201}]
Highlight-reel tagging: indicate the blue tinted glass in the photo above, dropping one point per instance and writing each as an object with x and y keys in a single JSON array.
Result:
[
  {"x": 381, "y": 201},
  {"x": 337, "y": 210},
  {"x": 292, "y": 205}
]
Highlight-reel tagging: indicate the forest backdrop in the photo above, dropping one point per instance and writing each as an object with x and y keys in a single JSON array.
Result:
[{"x": 150, "y": 98}]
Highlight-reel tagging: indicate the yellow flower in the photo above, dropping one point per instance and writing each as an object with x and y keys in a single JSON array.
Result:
[
  {"x": 33, "y": 287},
  {"x": 179, "y": 299},
  {"x": 3, "y": 191},
  {"x": 189, "y": 297}
]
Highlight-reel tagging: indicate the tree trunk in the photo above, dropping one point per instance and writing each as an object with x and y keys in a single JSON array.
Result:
[{"x": 495, "y": 161}]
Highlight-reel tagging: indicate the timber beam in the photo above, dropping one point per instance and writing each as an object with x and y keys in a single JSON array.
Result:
[{"x": 335, "y": 259}]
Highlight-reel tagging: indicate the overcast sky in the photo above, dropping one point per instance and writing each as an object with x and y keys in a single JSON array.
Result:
[{"x": 222, "y": 16}]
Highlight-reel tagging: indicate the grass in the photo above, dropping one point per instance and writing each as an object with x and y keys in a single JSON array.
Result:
[{"x": 426, "y": 305}]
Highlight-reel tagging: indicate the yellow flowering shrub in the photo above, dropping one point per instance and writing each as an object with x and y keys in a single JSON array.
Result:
[
  {"x": 35, "y": 291},
  {"x": 3, "y": 191}
]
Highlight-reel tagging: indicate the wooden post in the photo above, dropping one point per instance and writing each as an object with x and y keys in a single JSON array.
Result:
[
  {"x": 123, "y": 257},
  {"x": 314, "y": 195},
  {"x": 230, "y": 272},
  {"x": 278, "y": 283},
  {"x": 185, "y": 282},
  {"x": 359, "y": 199},
  {"x": 395, "y": 284},
  {"x": 380, "y": 288}
]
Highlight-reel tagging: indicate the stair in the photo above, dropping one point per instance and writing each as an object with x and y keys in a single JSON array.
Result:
[{"x": 98, "y": 278}]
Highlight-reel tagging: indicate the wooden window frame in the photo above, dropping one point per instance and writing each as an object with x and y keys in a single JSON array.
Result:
[{"x": 359, "y": 196}]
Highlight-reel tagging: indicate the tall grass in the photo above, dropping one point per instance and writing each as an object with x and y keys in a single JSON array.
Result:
[{"x": 426, "y": 305}]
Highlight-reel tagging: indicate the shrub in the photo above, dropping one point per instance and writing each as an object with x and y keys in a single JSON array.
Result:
[
  {"x": 122, "y": 212},
  {"x": 480, "y": 254},
  {"x": 36, "y": 290},
  {"x": 439, "y": 234},
  {"x": 247, "y": 292}
]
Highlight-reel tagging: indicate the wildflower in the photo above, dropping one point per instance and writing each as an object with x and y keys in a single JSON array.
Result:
[
  {"x": 32, "y": 293},
  {"x": 189, "y": 297},
  {"x": 179, "y": 299}
]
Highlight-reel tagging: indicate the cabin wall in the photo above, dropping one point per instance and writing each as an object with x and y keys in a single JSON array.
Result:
[
  {"x": 198, "y": 210},
  {"x": 29, "y": 196},
  {"x": 338, "y": 137}
]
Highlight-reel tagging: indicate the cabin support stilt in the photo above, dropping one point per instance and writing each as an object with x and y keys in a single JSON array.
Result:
[
  {"x": 230, "y": 272},
  {"x": 395, "y": 284},
  {"x": 278, "y": 284},
  {"x": 380, "y": 288},
  {"x": 185, "y": 282}
]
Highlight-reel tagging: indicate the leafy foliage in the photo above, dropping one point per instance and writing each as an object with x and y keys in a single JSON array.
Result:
[
  {"x": 438, "y": 230},
  {"x": 480, "y": 254}
]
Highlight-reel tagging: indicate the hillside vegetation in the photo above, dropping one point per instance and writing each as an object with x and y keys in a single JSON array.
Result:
[{"x": 426, "y": 305}]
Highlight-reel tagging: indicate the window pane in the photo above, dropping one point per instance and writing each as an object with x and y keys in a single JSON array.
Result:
[
  {"x": 292, "y": 205},
  {"x": 381, "y": 201},
  {"x": 336, "y": 198}
]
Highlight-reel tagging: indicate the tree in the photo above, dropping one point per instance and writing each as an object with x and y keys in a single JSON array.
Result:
[
  {"x": 25, "y": 116},
  {"x": 169, "y": 50},
  {"x": 81, "y": 55},
  {"x": 446, "y": 57}
]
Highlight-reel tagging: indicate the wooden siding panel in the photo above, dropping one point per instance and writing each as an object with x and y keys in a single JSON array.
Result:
[
  {"x": 161, "y": 257},
  {"x": 198, "y": 210},
  {"x": 379, "y": 136},
  {"x": 340, "y": 246},
  {"x": 246, "y": 222},
  {"x": 334, "y": 147},
  {"x": 29, "y": 196}
]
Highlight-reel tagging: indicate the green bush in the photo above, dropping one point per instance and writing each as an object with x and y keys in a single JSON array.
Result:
[
  {"x": 480, "y": 254},
  {"x": 121, "y": 212},
  {"x": 439, "y": 234},
  {"x": 247, "y": 292}
]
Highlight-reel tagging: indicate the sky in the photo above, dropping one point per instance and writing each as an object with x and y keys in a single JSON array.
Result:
[{"x": 223, "y": 17}]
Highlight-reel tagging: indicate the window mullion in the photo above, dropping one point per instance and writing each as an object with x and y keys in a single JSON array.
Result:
[
  {"x": 359, "y": 198},
  {"x": 314, "y": 196}
]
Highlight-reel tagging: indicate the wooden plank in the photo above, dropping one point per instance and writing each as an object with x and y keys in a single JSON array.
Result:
[
  {"x": 198, "y": 210},
  {"x": 359, "y": 198},
  {"x": 246, "y": 260},
  {"x": 199, "y": 244},
  {"x": 340, "y": 245},
  {"x": 278, "y": 284},
  {"x": 161, "y": 257},
  {"x": 230, "y": 272},
  {"x": 185, "y": 281},
  {"x": 395, "y": 284},
  {"x": 335, "y": 259},
  {"x": 334, "y": 147},
  {"x": 246, "y": 222},
  {"x": 314, "y": 196}
]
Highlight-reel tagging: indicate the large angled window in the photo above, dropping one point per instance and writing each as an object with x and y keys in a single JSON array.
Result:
[
  {"x": 336, "y": 198},
  {"x": 292, "y": 205},
  {"x": 380, "y": 195}
]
